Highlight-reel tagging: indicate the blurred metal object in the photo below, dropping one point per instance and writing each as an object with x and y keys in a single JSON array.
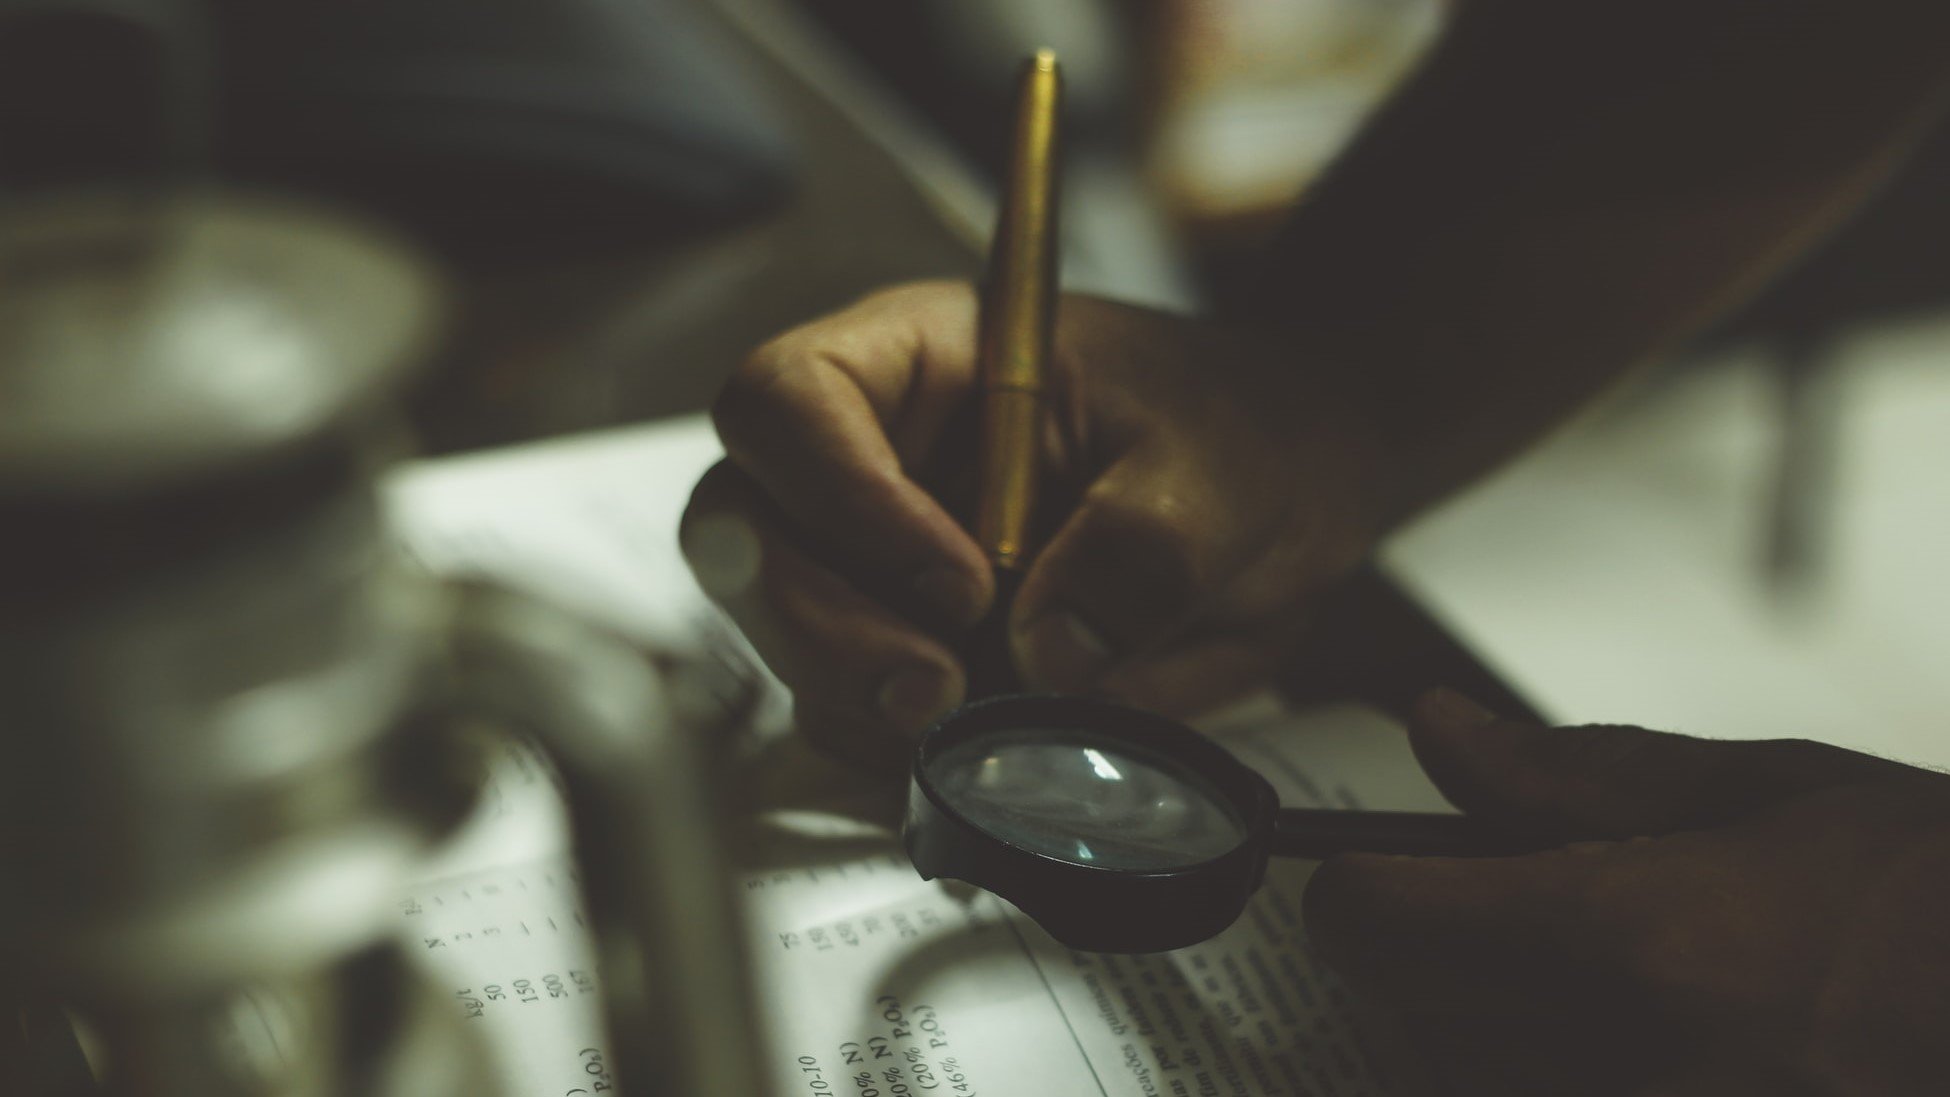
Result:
[
  {"x": 153, "y": 336},
  {"x": 234, "y": 719},
  {"x": 210, "y": 653},
  {"x": 630, "y": 745}
]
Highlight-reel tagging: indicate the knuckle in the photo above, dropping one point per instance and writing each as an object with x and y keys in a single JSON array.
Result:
[
  {"x": 1591, "y": 748},
  {"x": 768, "y": 380},
  {"x": 1155, "y": 540},
  {"x": 720, "y": 488},
  {"x": 1627, "y": 759},
  {"x": 924, "y": 291},
  {"x": 1806, "y": 756}
]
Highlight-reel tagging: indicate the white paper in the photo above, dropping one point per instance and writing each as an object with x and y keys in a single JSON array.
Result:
[{"x": 874, "y": 974}]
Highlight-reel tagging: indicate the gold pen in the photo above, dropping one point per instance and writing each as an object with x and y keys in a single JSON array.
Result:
[{"x": 1018, "y": 313}]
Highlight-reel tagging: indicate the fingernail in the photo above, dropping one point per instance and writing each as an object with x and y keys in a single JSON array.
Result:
[
  {"x": 1453, "y": 709},
  {"x": 952, "y": 593},
  {"x": 1058, "y": 651},
  {"x": 914, "y": 697},
  {"x": 724, "y": 554}
]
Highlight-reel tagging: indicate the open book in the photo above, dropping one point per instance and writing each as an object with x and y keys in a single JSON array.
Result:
[{"x": 874, "y": 982}]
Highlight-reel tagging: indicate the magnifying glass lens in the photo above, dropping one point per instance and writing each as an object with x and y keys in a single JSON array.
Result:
[{"x": 1085, "y": 799}]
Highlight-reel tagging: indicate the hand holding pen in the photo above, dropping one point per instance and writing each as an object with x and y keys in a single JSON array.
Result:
[{"x": 1195, "y": 485}]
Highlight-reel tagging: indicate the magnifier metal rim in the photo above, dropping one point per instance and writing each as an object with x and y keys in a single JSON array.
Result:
[
  {"x": 1086, "y": 906},
  {"x": 1167, "y": 741}
]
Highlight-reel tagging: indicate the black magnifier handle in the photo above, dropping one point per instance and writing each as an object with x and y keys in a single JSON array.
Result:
[
  {"x": 985, "y": 651},
  {"x": 1320, "y": 833}
]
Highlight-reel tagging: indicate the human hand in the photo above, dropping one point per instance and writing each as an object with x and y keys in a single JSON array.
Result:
[
  {"x": 1198, "y": 486},
  {"x": 1733, "y": 918}
]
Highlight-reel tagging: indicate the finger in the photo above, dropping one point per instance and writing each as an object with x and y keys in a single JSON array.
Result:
[
  {"x": 1615, "y": 781},
  {"x": 848, "y": 733},
  {"x": 836, "y": 649},
  {"x": 1130, "y": 567},
  {"x": 830, "y": 417},
  {"x": 1504, "y": 973},
  {"x": 1449, "y": 932},
  {"x": 1193, "y": 677}
]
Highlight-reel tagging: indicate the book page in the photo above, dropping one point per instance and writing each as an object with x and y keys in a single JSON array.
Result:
[
  {"x": 873, "y": 982},
  {"x": 878, "y": 980}
]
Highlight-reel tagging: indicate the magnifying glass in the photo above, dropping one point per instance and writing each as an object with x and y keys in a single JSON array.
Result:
[{"x": 1120, "y": 830}]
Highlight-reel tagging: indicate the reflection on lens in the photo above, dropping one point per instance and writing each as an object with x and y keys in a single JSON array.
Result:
[{"x": 1085, "y": 799}]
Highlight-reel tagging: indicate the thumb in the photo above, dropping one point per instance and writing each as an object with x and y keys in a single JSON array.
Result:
[
  {"x": 1124, "y": 573},
  {"x": 1615, "y": 781}
]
